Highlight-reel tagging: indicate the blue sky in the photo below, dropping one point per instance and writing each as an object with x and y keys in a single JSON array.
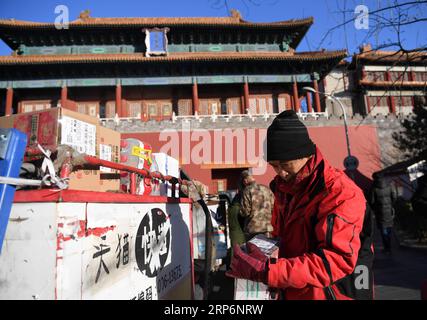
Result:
[{"x": 327, "y": 14}]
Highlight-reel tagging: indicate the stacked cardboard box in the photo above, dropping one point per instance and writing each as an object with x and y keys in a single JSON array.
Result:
[
  {"x": 108, "y": 142},
  {"x": 250, "y": 290},
  {"x": 56, "y": 126}
]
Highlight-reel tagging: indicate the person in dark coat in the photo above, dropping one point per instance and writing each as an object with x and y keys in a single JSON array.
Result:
[
  {"x": 419, "y": 199},
  {"x": 235, "y": 222},
  {"x": 382, "y": 198}
]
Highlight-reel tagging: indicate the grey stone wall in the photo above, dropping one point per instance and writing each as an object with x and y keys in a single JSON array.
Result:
[{"x": 385, "y": 128}]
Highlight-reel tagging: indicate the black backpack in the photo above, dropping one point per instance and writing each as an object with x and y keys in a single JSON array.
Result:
[{"x": 347, "y": 285}]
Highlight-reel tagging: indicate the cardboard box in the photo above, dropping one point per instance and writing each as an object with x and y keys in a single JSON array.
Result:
[
  {"x": 108, "y": 143},
  {"x": 250, "y": 290},
  {"x": 56, "y": 126}
]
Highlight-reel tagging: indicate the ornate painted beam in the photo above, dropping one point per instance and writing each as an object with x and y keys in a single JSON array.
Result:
[{"x": 147, "y": 81}]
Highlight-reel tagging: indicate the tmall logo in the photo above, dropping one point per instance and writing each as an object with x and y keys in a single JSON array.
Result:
[{"x": 152, "y": 244}]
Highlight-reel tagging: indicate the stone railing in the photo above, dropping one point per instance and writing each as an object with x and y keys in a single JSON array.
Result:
[
  {"x": 211, "y": 122},
  {"x": 222, "y": 117}
]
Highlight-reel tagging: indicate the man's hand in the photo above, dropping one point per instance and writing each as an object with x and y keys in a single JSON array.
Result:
[{"x": 251, "y": 265}]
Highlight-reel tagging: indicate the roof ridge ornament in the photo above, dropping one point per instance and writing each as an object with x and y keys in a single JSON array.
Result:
[
  {"x": 234, "y": 13},
  {"x": 85, "y": 15}
]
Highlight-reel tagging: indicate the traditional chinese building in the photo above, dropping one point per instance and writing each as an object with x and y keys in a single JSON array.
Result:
[
  {"x": 198, "y": 76},
  {"x": 387, "y": 82}
]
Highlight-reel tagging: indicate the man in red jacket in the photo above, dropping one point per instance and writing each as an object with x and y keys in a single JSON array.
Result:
[{"x": 319, "y": 215}]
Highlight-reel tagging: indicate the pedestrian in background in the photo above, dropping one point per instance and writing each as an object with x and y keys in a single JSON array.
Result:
[
  {"x": 235, "y": 220},
  {"x": 419, "y": 199},
  {"x": 382, "y": 199},
  {"x": 257, "y": 206}
]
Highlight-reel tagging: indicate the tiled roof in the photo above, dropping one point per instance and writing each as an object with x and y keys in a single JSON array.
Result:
[
  {"x": 397, "y": 83},
  {"x": 172, "y": 57},
  {"x": 392, "y": 56},
  {"x": 141, "y": 22}
]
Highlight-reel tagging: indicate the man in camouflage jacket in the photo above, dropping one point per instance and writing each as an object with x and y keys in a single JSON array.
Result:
[{"x": 257, "y": 205}]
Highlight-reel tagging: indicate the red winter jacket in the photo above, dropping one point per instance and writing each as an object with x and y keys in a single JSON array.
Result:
[{"x": 318, "y": 217}]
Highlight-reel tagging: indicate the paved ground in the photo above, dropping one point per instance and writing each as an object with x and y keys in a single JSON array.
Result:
[{"x": 397, "y": 276}]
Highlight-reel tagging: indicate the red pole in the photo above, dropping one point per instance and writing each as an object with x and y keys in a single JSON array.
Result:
[
  {"x": 316, "y": 96},
  {"x": 119, "y": 109},
  {"x": 195, "y": 98},
  {"x": 296, "y": 98},
  {"x": 246, "y": 97},
  {"x": 64, "y": 94},
  {"x": 133, "y": 183},
  {"x": 9, "y": 101}
]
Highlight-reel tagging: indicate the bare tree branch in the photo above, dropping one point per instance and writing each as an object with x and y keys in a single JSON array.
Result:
[{"x": 396, "y": 6}]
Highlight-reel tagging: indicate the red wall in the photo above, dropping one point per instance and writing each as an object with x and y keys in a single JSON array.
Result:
[{"x": 330, "y": 140}]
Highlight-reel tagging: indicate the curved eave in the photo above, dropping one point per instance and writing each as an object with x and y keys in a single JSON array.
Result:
[
  {"x": 395, "y": 84},
  {"x": 392, "y": 57},
  {"x": 151, "y": 22},
  {"x": 9, "y": 27},
  {"x": 332, "y": 57}
]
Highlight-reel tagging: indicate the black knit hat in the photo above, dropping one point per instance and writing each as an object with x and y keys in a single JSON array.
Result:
[{"x": 287, "y": 138}]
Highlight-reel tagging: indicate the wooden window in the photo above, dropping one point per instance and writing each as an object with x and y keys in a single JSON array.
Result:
[
  {"x": 185, "y": 107},
  {"x": 284, "y": 102},
  {"x": 253, "y": 106},
  {"x": 110, "y": 109},
  {"x": 403, "y": 101},
  {"x": 233, "y": 105},
  {"x": 166, "y": 110},
  {"x": 134, "y": 108},
  {"x": 261, "y": 104},
  {"x": 93, "y": 109},
  {"x": 203, "y": 107},
  {"x": 152, "y": 110},
  {"x": 421, "y": 76},
  {"x": 88, "y": 107},
  {"x": 215, "y": 107},
  {"x": 398, "y": 76},
  {"x": 158, "y": 109},
  {"x": 34, "y": 105},
  {"x": 209, "y": 106},
  {"x": 378, "y": 101},
  {"x": 81, "y": 108},
  {"x": 376, "y": 76},
  {"x": 407, "y": 101}
]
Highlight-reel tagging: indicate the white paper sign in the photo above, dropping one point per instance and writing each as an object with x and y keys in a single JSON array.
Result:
[
  {"x": 105, "y": 153},
  {"x": 79, "y": 135}
]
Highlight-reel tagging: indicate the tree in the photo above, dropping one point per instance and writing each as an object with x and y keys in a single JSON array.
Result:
[
  {"x": 230, "y": 6},
  {"x": 412, "y": 140}
]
